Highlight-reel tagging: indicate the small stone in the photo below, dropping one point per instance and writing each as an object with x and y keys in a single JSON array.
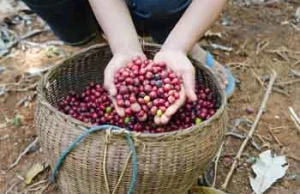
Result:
[
  {"x": 2, "y": 69},
  {"x": 227, "y": 161},
  {"x": 277, "y": 117},
  {"x": 250, "y": 110}
]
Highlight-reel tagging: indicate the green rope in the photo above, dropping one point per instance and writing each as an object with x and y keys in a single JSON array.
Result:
[{"x": 93, "y": 129}]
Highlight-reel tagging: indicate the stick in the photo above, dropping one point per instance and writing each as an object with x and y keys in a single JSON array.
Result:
[
  {"x": 216, "y": 163},
  {"x": 281, "y": 92},
  {"x": 252, "y": 130},
  {"x": 257, "y": 77},
  {"x": 295, "y": 118},
  {"x": 294, "y": 64},
  {"x": 293, "y": 157},
  {"x": 23, "y": 153},
  {"x": 275, "y": 138},
  {"x": 288, "y": 82},
  {"x": 11, "y": 188},
  {"x": 27, "y": 35}
]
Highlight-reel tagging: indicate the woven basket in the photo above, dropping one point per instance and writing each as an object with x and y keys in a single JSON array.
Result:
[{"x": 167, "y": 163}]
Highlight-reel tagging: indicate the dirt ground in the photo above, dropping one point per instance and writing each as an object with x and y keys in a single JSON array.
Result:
[{"x": 263, "y": 37}]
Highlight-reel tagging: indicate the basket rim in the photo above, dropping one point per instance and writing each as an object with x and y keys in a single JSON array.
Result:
[{"x": 44, "y": 82}]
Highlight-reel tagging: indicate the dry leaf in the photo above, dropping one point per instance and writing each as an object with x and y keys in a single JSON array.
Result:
[
  {"x": 267, "y": 169},
  {"x": 206, "y": 190},
  {"x": 33, "y": 172}
]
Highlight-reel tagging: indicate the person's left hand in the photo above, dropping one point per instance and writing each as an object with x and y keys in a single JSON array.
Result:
[{"x": 178, "y": 62}]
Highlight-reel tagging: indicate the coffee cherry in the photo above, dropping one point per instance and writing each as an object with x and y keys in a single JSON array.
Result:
[{"x": 145, "y": 90}]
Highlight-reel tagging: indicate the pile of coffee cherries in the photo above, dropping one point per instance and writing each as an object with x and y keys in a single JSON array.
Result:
[{"x": 144, "y": 90}]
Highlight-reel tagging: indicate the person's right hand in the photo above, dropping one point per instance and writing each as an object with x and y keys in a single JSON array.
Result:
[{"x": 118, "y": 61}]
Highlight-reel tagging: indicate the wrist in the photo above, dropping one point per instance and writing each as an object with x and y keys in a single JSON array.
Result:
[
  {"x": 125, "y": 47},
  {"x": 125, "y": 50},
  {"x": 172, "y": 46}
]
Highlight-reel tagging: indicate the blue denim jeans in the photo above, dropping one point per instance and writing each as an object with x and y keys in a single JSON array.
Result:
[{"x": 74, "y": 22}]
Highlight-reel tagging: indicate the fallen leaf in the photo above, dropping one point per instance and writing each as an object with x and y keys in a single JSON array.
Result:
[
  {"x": 297, "y": 13},
  {"x": 267, "y": 169},
  {"x": 2, "y": 69},
  {"x": 33, "y": 172},
  {"x": 16, "y": 121},
  {"x": 206, "y": 190},
  {"x": 221, "y": 47}
]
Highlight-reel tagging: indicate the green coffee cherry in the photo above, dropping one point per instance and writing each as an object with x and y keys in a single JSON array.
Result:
[
  {"x": 108, "y": 109},
  {"x": 198, "y": 121},
  {"x": 127, "y": 120},
  {"x": 159, "y": 113}
]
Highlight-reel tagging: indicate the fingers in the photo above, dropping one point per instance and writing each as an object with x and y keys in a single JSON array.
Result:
[
  {"x": 157, "y": 120},
  {"x": 189, "y": 84},
  {"x": 119, "y": 110},
  {"x": 178, "y": 103},
  {"x": 165, "y": 118},
  {"x": 109, "y": 79},
  {"x": 158, "y": 58}
]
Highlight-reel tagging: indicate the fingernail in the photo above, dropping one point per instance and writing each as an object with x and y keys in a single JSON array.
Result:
[
  {"x": 164, "y": 119},
  {"x": 157, "y": 120}
]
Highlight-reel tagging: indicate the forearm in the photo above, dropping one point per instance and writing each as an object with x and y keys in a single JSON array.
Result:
[
  {"x": 196, "y": 20},
  {"x": 115, "y": 20}
]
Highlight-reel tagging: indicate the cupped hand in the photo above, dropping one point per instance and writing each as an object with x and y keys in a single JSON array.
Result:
[
  {"x": 118, "y": 61},
  {"x": 178, "y": 62}
]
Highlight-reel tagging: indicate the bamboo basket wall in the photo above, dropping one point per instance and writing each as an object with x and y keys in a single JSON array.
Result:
[{"x": 167, "y": 163}]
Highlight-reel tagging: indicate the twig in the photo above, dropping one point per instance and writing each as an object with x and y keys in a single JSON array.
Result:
[
  {"x": 252, "y": 130},
  {"x": 23, "y": 153},
  {"x": 293, "y": 157},
  {"x": 11, "y": 188},
  {"x": 258, "y": 78},
  {"x": 216, "y": 163},
  {"x": 30, "y": 87},
  {"x": 262, "y": 138},
  {"x": 44, "y": 189},
  {"x": 43, "y": 44},
  {"x": 295, "y": 118},
  {"x": 281, "y": 91},
  {"x": 27, "y": 35},
  {"x": 255, "y": 145},
  {"x": 37, "y": 184},
  {"x": 287, "y": 83},
  {"x": 239, "y": 136},
  {"x": 238, "y": 64},
  {"x": 233, "y": 154},
  {"x": 275, "y": 138},
  {"x": 236, "y": 135},
  {"x": 261, "y": 46},
  {"x": 294, "y": 64}
]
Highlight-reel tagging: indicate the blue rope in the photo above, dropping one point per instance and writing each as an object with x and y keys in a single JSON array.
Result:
[
  {"x": 209, "y": 60},
  {"x": 93, "y": 129}
]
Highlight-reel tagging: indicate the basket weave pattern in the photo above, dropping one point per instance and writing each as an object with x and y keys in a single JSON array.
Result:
[{"x": 167, "y": 163}]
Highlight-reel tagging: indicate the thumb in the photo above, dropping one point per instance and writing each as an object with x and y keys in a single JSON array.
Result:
[
  {"x": 158, "y": 57},
  {"x": 119, "y": 110},
  {"x": 109, "y": 81},
  {"x": 189, "y": 84}
]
